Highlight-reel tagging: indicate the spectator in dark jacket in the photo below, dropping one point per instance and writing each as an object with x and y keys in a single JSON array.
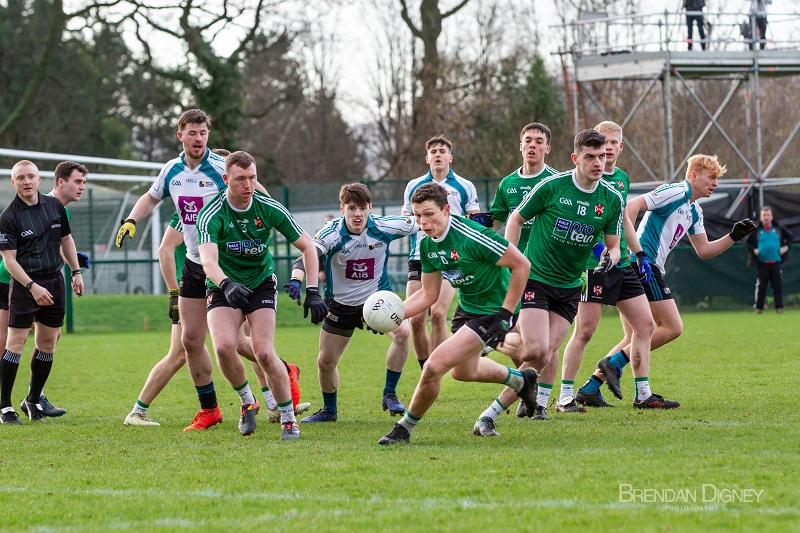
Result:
[
  {"x": 769, "y": 246},
  {"x": 694, "y": 15}
]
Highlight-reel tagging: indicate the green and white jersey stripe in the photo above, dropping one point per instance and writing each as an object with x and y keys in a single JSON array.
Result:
[
  {"x": 467, "y": 254},
  {"x": 242, "y": 236},
  {"x": 567, "y": 221}
]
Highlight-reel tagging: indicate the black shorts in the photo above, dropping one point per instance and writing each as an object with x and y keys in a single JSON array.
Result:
[
  {"x": 477, "y": 323},
  {"x": 23, "y": 309},
  {"x": 193, "y": 280},
  {"x": 563, "y": 302},
  {"x": 4, "y": 296},
  {"x": 343, "y": 319},
  {"x": 614, "y": 286},
  {"x": 656, "y": 290},
  {"x": 414, "y": 270},
  {"x": 265, "y": 296}
]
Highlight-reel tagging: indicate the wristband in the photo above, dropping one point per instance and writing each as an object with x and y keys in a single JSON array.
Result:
[
  {"x": 76, "y": 271},
  {"x": 29, "y": 285},
  {"x": 174, "y": 292}
]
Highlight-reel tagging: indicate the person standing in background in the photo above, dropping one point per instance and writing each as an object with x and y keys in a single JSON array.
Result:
[{"x": 769, "y": 245}]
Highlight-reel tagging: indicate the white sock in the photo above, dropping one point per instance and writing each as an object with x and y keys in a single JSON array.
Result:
[
  {"x": 246, "y": 394},
  {"x": 140, "y": 408},
  {"x": 287, "y": 412},
  {"x": 409, "y": 421},
  {"x": 567, "y": 390},
  {"x": 514, "y": 379},
  {"x": 642, "y": 388},
  {"x": 544, "y": 394},
  {"x": 269, "y": 399},
  {"x": 494, "y": 410}
]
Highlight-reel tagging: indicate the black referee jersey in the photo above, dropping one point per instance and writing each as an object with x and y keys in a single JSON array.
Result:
[{"x": 35, "y": 232}]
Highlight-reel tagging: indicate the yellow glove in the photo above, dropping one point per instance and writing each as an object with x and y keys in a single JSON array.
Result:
[{"x": 128, "y": 228}]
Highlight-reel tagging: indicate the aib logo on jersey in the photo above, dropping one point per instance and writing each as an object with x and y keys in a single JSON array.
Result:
[
  {"x": 189, "y": 206},
  {"x": 598, "y": 209},
  {"x": 573, "y": 232},
  {"x": 360, "y": 269}
]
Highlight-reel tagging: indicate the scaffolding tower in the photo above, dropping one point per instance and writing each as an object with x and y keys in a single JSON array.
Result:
[{"x": 652, "y": 49}]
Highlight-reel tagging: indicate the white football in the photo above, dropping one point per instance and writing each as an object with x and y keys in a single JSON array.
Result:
[{"x": 384, "y": 311}]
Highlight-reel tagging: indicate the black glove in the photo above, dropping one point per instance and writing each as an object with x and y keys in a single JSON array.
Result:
[
  {"x": 314, "y": 304},
  {"x": 742, "y": 229},
  {"x": 83, "y": 260},
  {"x": 293, "y": 289},
  {"x": 498, "y": 327},
  {"x": 237, "y": 294},
  {"x": 484, "y": 219},
  {"x": 605, "y": 265},
  {"x": 173, "y": 304}
]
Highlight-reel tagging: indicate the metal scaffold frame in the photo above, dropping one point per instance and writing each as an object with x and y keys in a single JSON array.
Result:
[{"x": 645, "y": 48}]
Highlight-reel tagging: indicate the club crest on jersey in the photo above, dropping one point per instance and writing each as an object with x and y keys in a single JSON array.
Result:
[
  {"x": 621, "y": 185},
  {"x": 529, "y": 296},
  {"x": 454, "y": 255},
  {"x": 598, "y": 209},
  {"x": 597, "y": 290},
  {"x": 258, "y": 223}
]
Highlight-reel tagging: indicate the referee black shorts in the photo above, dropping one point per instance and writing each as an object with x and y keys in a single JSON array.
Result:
[
  {"x": 23, "y": 309},
  {"x": 4, "y": 288}
]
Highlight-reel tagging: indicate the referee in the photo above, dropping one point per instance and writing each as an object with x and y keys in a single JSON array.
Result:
[{"x": 34, "y": 230}]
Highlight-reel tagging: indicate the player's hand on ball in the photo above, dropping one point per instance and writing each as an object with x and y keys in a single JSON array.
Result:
[
  {"x": 605, "y": 265},
  {"x": 645, "y": 272},
  {"x": 499, "y": 326},
  {"x": 293, "y": 290},
  {"x": 173, "y": 304},
  {"x": 238, "y": 295},
  {"x": 83, "y": 260},
  {"x": 369, "y": 328},
  {"x": 314, "y": 304},
  {"x": 742, "y": 229},
  {"x": 128, "y": 228}
]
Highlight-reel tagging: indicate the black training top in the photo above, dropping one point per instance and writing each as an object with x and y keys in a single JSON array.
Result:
[{"x": 35, "y": 232}]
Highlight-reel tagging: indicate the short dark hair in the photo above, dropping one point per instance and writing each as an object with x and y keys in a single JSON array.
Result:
[
  {"x": 766, "y": 208},
  {"x": 439, "y": 139},
  {"x": 221, "y": 152},
  {"x": 355, "y": 193},
  {"x": 537, "y": 126},
  {"x": 194, "y": 116},
  {"x": 240, "y": 159},
  {"x": 430, "y": 191},
  {"x": 590, "y": 139},
  {"x": 65, "y": 168}
]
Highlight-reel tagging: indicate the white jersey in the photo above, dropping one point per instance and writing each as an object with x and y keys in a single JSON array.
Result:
[
  {"x": 670, "y": 216},
  {"x": 355, "y": 265},
  {"x": 461, "y": 195},
  {"x": 190, "y": 189}
]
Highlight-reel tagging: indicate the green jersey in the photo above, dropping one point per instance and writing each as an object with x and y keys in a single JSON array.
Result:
[
  {"x": 242, "y": 237},
  {"x": 180, "y": 252},
  {"x": 5, "y": 275},
  {"x": 510, "y": 193},
  {"x": 619, "y": 180},
  {"x": 568, "y": 219},
  {"x": 467, "y": 255}
]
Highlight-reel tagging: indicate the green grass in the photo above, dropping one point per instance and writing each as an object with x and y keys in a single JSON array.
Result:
[{"x": 736, "y": 375}]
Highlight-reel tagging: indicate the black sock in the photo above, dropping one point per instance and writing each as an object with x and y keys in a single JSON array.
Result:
[
  {"x": 9, "y": 364},
  {"x": 422, "y": 362},
  {"x": 207, "y": 396},
  {"x": 41, "y": 363}
]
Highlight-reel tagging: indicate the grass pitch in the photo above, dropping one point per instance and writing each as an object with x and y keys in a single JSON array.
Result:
[{"x": 735, "y": 374}]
